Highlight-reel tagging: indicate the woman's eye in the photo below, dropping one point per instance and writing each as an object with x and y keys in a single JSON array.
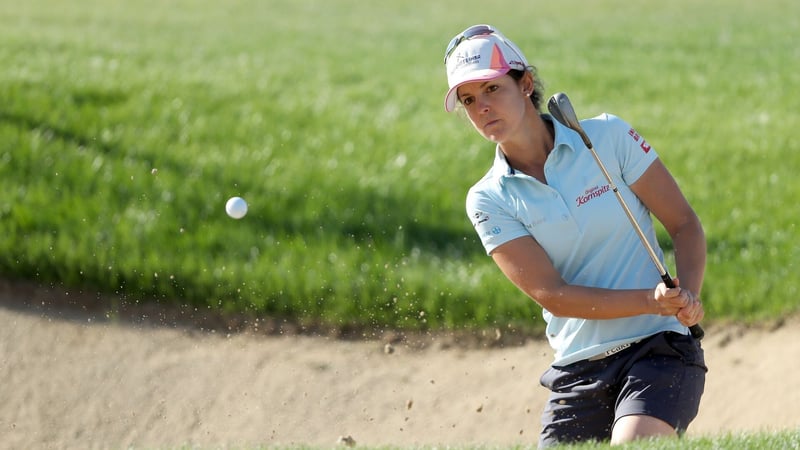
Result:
[
  {"x": 491, "y": 88},
  {"x": 467, "y": 101}
]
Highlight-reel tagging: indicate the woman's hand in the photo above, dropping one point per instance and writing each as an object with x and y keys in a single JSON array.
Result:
[
  {"x": 693, "y": 312},
  {"x": 678, "y": 302},
  {"x": 670, "y": 301}
]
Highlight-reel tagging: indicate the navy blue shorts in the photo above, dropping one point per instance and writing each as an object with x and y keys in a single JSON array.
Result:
[{"x": 662, "y": 376}]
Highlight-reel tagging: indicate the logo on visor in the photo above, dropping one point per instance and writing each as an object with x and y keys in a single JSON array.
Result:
[
  {"x": 464, "y": 60},
  {"x": 497, "y": 62}
]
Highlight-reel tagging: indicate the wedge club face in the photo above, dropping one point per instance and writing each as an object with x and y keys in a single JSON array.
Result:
[
  {"x": 555, "y": 110},
  {"x": 561, "y": 109}
]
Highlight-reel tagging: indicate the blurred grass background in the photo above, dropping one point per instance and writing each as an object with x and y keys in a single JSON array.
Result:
[{"x": 125, "y": 126}]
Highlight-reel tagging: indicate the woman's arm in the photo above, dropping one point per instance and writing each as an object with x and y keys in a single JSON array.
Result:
[
  {"x": 660, "y": 193},
  {"x": 527, "y": 265}
]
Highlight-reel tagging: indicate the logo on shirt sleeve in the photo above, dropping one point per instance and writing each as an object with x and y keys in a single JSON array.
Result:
[
  {"x": 478, "y": 218},
  {"x": 639, "y": 140}
]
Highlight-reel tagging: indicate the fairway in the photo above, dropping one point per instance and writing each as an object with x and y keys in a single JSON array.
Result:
[{"x": 126, "y": 126}]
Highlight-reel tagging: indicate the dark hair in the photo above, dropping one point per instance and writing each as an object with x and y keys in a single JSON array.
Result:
[{"x": 537, "y": 96}]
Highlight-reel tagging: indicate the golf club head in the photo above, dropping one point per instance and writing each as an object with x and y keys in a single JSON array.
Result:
[
  {"x": 561, "y": 109},
  {"x": 555, "y": 110}
]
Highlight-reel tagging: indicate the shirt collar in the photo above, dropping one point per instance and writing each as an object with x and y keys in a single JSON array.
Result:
[{"x": 564, "y": 137}]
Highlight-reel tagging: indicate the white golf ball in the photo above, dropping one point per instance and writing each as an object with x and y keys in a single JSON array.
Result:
[{"x": 236, "y": 207}]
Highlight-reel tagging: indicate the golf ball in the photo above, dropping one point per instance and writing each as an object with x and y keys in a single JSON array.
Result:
[{"x": 236, "y": 207}]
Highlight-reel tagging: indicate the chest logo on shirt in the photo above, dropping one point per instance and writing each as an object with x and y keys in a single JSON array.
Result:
[{"x": 591, "y": 194}]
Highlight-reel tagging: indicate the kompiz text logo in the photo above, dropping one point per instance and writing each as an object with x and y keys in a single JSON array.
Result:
[{"x": 591, "y": 193}]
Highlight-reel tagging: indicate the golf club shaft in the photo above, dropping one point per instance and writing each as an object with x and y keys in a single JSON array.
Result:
[
  {"x": 661, "y": 270},
  {"x": 561, "y": 109}
]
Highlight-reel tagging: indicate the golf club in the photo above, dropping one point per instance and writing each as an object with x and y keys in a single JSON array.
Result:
[{"x": 561, "y": 109}]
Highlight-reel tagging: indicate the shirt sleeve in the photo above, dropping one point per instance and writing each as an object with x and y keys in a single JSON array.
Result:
[
  {"x": 633, "y": 153},
  {"x": 493, "y": 220}
]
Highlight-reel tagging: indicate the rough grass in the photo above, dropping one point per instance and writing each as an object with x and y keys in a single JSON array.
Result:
[{"x": 125, "y": 126}]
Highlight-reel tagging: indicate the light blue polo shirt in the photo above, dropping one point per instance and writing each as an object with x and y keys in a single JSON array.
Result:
[{"x": 578, "y": 221}]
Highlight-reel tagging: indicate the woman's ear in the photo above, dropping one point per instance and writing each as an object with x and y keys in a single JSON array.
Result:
[
  {"x": 530, "y": 83},
  {"x": 527, "y": 84}
]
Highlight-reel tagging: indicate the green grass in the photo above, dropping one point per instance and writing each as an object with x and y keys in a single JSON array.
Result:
[
  {"x": 785, "y": 440},
  {"x": 124, "y": 127}
]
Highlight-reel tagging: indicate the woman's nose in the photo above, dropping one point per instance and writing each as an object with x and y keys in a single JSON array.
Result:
[{"x": 483, "y": 104}]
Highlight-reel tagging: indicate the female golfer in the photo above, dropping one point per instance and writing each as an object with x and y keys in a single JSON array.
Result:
[{"x": 625, "y": 366}]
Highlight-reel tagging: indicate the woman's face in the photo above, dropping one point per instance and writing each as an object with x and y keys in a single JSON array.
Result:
[{"x": 496, "y": 107}]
